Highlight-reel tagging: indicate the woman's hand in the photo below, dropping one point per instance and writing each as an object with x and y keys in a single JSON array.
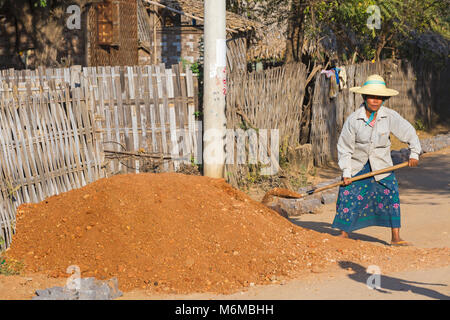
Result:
[
  {"x": 413, "y": 162},
  {"x": 347, "y": 181}
]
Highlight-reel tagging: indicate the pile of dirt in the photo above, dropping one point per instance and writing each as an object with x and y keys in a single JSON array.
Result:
[{"x": 176, "y": 233}]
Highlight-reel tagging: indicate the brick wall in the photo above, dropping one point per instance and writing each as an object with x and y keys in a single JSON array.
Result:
[{"x": 174, "y": 43}]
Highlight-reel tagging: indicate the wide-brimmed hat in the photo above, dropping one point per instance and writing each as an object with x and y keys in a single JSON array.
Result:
[{"x": 375, "y": 85}]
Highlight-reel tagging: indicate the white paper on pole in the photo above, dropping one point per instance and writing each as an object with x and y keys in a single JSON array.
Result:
[{"x": 221, "y": 53}]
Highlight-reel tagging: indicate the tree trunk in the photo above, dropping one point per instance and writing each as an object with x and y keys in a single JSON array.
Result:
[
  {"x": 385, "y": 38},
  {"x": 294, "y": 41},
  {"x": 380, "y": 46}
]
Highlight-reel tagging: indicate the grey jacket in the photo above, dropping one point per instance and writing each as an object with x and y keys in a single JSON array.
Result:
[{"x": 360, "y": 142}]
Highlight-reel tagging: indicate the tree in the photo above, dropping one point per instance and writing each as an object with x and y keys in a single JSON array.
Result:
[
  {"x": 352, "y": 22},
  {"x": 350, "y": 25}
]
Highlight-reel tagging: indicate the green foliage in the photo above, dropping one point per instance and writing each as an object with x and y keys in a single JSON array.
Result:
[
  {"x": 195, "y": 68},
  {"x": 184, "y": 63},
  {"x": 420, "y": 125},
  {"x": 10, "y": 267},
  {"x": 195, "y": 164},
  {"x": 198, "y": 114},
  {"x": 40, "y": 3}
]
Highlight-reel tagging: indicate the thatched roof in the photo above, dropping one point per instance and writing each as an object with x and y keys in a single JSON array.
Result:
[
  {"x": 268, "y": 43},
  {"x": 195, "y": 8}
]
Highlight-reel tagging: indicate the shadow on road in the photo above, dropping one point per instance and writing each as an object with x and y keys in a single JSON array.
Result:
[
  {"x": 324, "y": 227},
  {"x": 393, "y": 284},
  {"x": 431, "y": 176}
]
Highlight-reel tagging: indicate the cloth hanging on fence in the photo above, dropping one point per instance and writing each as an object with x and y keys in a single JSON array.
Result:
[
  {"x": 328, "y": 73},
  {"x": 336, "y": 74},
  {"x": 334, "y": 88},
  {"x": 342, "y": 78},
  {"x": 333, "y": 82}
]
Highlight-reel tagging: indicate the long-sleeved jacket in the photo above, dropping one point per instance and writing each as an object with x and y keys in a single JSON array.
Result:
[{"x": 360, "y": 142}]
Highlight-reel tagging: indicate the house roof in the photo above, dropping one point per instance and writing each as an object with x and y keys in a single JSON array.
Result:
[
  {"x": 196, "y": 8},
  {"x": 269, "y": 42}
]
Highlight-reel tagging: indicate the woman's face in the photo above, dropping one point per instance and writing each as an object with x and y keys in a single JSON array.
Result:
[{"x": 374, "y": 102}]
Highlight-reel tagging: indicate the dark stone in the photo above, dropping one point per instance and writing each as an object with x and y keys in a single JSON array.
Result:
[
  {"x": 279, "y": 209},
  {"x": 307, "y": 205}
]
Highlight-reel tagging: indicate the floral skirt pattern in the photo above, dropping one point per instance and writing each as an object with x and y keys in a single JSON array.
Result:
[{"x": 368, "y": 202}]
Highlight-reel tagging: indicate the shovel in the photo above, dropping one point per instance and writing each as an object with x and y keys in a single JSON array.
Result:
[{"x": 285, "y": 193}]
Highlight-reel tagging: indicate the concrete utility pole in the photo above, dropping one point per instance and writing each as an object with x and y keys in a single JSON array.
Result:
[{"x": 214, "y": 126}]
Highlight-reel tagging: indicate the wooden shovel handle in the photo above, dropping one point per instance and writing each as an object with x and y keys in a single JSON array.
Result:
[
  {"x": 285, "y": 193},
  {"x": 362, "y": 176}
]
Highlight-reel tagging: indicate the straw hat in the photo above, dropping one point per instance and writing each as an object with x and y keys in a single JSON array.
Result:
[{"x": 375, "y": 85}]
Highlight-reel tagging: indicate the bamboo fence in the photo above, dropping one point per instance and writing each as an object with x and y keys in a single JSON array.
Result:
[
  {"x": 237, "y": 55},
  {"x": 47, "y": 147},
  {"x": 148, "y": 110},
  {"x": 61, "y": 129},
  {"x": 269, "y": 99}
]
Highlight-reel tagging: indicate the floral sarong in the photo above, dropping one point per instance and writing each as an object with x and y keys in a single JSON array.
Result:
[{"x": 367, "y": 203}]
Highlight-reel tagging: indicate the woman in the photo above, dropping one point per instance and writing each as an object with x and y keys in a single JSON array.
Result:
[{"x": 364, "y": 146}]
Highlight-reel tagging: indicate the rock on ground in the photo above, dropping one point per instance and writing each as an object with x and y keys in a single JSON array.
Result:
[{"x": 81, "y": 289}]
